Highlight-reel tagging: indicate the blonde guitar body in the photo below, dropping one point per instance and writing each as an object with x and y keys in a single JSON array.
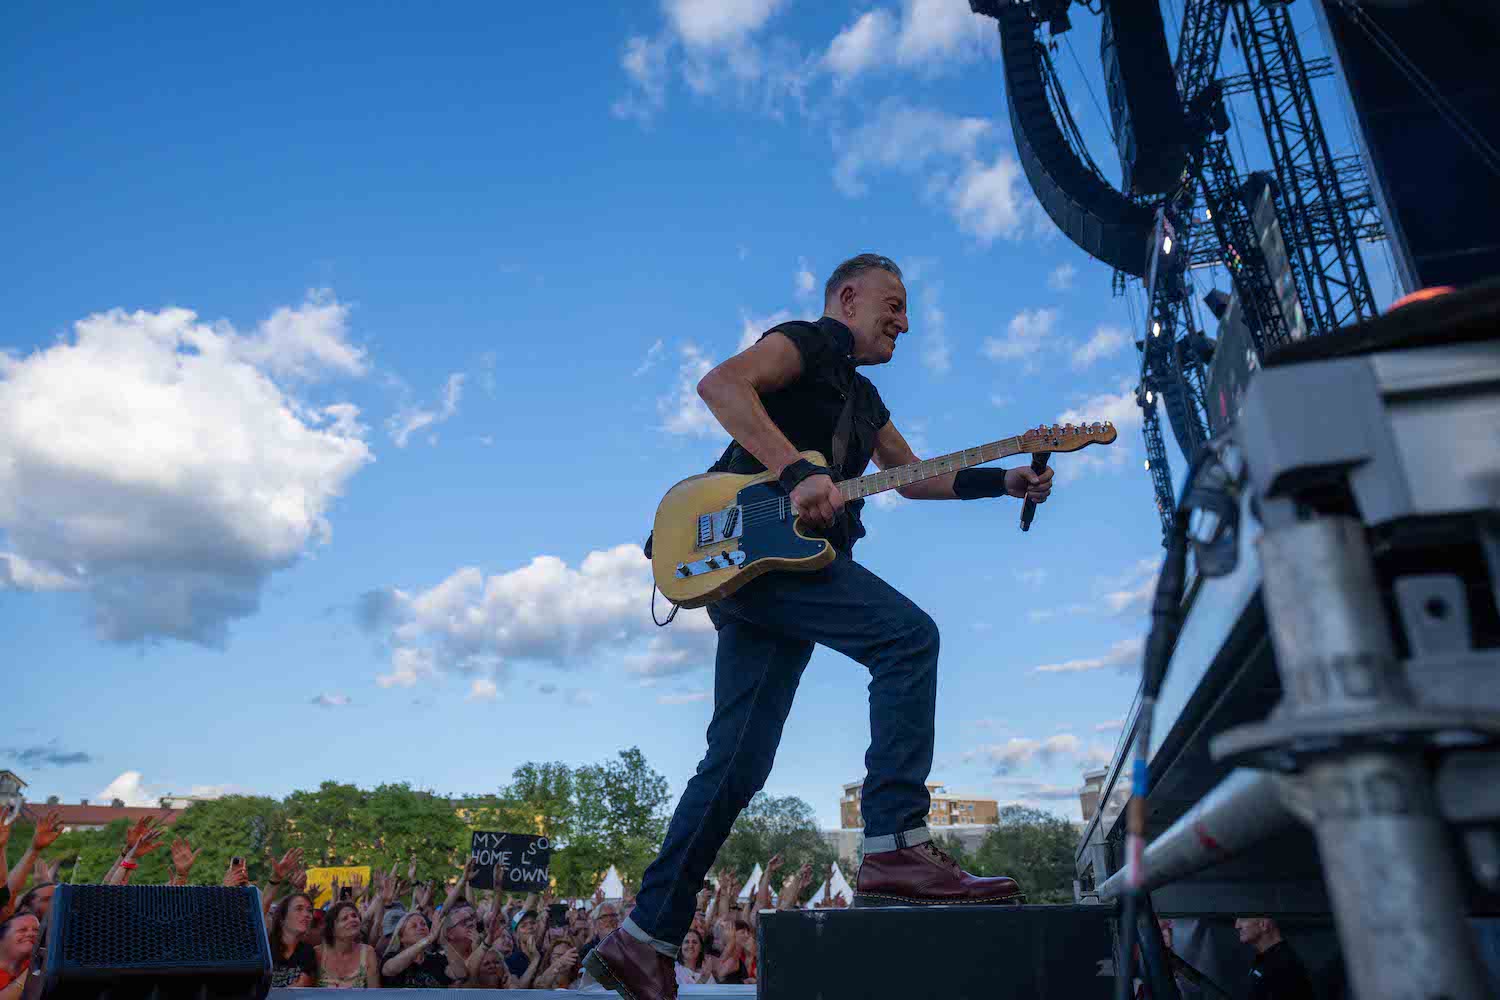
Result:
[
  {"x": 716, "y": 532},
  {"x": 701, "y": 552}
]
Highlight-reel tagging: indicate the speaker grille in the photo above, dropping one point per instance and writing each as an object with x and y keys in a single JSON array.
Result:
[{"x": 158, "y": 927}]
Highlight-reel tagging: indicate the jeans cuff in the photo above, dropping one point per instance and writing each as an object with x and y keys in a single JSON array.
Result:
[
  {"x": 896, "y": 841},
  {"x": 634, "y": 930}
]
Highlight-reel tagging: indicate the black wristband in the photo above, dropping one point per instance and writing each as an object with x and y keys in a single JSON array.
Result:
[
  {"x": 977, "y": 484},
  {"x": 798, "y": 471}
]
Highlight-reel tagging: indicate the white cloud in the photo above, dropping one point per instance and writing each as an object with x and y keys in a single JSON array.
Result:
[
  {"x": 1027, "y": 332},
  {"x": 410, "y": 419},
  {"x": 482, "y": 689},
  {"x": 863, "y": 45},
  {"x": 307, "y": 341},
  {"x": 544, "y": 612},
  {"x": 1110, "y": 726},
  {"x": 131, "y": 789},
  {"x": 991, "y": 200},
  {"x": 653, "y": 355},
  {"x": 1023, "y": 751},
  {"x": 687, "y": 698},
  {"x": 1124, "y": 654},
  {"x": 718, "y": 22},
  {"x": 930, "y": 35},
  {"x": 1031, "y": 789},
  {"x": 804, "y": 282},
  {"x": 751, "y": 327},
  {"x": 155, "y": 463},
  {"x": 1119, "y": 409},
  {"x": 937, "y": 355},
  {"x": 1061, "y": 278},
  {"x": 1107, "y": 340},
  {"x": 682, "y": 410},
  {"x": 331, "y": 700},
  {"x": 644, "y": 61},
  {"x": 904, "y": 138},
  {"x": 1134, "y": 593}
]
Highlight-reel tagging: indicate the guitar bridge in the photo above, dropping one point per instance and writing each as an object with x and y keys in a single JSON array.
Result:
[
  {"x": 724, "y": 560},
  {"x": 720, "y": 526}
]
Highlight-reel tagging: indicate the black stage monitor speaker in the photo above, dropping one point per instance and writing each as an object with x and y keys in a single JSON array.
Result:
[
  {"x": 941, "y": 952},
  {"x": 141, "y": 940}
]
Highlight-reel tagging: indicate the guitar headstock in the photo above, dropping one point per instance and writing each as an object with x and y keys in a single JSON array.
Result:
[{"x": 1068, "y": 437}]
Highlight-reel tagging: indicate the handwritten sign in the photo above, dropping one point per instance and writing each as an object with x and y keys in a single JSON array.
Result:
[
  {"x": 323, "y": 879},
  {"x": 522, "y": 860}
]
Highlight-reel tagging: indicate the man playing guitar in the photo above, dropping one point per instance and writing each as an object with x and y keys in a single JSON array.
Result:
[{"x": 795, "y": 390}]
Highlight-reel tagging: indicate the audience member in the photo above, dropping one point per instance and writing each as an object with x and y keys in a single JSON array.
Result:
[
  {"x": 692, "y": 966},
  {"x": 345, "y": 962},
  {"x": 293, "y": 961},
  {"x": 1277, "y": 973},
  {"x": 18, "y": 936}
]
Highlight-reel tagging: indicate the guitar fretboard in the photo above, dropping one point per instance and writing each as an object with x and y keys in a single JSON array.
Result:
[{"x": 905, "y": 475}]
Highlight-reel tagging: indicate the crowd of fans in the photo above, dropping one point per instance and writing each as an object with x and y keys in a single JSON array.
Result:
[{"x": 402, "y": 930}]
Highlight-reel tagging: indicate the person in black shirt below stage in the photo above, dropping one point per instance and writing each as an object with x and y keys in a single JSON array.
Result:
[
  {"x": 1277, "y": 972},
  {"x": 799, "y": 389},
  {"x": 293, "y": 961}
]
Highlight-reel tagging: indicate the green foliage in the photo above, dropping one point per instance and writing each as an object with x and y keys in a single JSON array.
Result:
[
  {"x": 597, "y": 815},
  {"x": 1033, "y": 847},
  {"x": 784, "y": 826}
]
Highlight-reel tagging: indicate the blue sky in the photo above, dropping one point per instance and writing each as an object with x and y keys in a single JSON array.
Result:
[{"x": 347, "y": 358}]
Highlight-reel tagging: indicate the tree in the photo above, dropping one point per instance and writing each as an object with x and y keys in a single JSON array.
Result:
[
  {"x": 1033, "y": 847},
  {"x": 782, "y": 826},
  {"x": 619, "y": 819}
]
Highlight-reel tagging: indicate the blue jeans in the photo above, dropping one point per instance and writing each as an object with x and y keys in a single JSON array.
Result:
[{"x": 767, "y": 630}]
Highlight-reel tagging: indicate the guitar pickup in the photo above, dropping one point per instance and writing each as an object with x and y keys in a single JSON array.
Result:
[
  {"x": 720, "y": 526},
  {"x": 724, "y": 560}
]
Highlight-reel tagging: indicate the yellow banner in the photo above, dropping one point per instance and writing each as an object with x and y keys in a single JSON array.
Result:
[{"x": 323, "y": 879}]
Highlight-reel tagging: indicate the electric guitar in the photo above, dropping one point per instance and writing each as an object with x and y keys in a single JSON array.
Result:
[{"x": 717, "y": 531}]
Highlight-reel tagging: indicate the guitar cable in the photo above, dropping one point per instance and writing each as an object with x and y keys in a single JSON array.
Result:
[{"x": 675, "y": 608}]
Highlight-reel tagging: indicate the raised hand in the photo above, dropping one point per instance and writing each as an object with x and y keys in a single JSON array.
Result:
[
  {"x": 236, "y": 874},
  {"x": 357, "y": 887},
  {"x": 299, "y": 880},
  {"x": 183, "y": 856},
  {"x": 774, "y": 865},
  {"x": 411, "y": 869},
  {"x": 48, "y": 829},
  {"x": 470, "y": 867},
  {"x": 145, "y": 836},
  {"x": 333, "y": 892},
  {"x": 41, "y": 872},
  {"x": 804, "y": 874},
  {"x": 388, "y": 888},
  {"x": 422, "y": 896},
  {"x": 290, "y": 862}
]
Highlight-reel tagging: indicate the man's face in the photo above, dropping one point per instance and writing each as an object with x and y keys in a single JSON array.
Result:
[
  {"x": 1250, "y": 929},
  {"x": 605, "y": 921},
  {"x": 873, "y": 307}
]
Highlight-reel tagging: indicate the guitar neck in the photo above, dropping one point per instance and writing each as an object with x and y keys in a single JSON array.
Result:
[{"x": 905, "y": 475}]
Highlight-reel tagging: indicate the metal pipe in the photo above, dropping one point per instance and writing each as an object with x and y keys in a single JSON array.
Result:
[
  {"x": 1242, "y": 810},
  {"x": 1387, "y": 860}
]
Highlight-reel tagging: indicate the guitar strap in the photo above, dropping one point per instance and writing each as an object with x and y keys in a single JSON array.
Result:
[{"x": 842, "y": 429}]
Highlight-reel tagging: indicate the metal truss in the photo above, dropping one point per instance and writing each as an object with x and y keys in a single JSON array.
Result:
[
  {"x": 1321, "y": 237},
  {"x": 1156, "y": 462}
]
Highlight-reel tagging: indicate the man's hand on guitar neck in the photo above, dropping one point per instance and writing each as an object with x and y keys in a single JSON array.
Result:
[{"x": 818, "y": 500}]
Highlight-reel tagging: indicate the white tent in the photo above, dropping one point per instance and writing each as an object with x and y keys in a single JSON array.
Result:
[
  {"x": 612, "y": 887},
  {"x": 832, "y": 887},
  {"x": 751, "y": 884}
]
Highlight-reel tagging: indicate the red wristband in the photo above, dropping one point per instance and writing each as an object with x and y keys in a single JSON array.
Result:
[{"x": 128, "y": 864}]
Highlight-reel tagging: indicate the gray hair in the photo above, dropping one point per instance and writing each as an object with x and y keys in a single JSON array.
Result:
[{"x": 853, "y": 268}]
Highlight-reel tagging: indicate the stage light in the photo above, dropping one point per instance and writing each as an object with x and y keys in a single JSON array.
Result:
[
  {"x": 1166, "y": 244},
  {"x": 1148, "y": 465},
  {"x": 1208, "y": 215},
  {"x": 1155, "y": 329},
  {"x": 1149, "y": 397}
]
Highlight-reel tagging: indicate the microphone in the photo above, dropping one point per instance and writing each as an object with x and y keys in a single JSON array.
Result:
[{"x": 1028, "y": 510}]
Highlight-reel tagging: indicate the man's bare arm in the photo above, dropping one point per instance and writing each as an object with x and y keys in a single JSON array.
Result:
[
  {"x": 892, "y": 450},
  {"x": 733, "y": 390}
]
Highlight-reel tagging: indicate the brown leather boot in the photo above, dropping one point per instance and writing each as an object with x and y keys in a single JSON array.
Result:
[
  {"x": 925, "y": 876},
  {"x": 632, "y": 968}
]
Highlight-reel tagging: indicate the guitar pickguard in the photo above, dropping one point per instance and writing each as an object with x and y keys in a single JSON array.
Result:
[{"x": 766, "y": 526}]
